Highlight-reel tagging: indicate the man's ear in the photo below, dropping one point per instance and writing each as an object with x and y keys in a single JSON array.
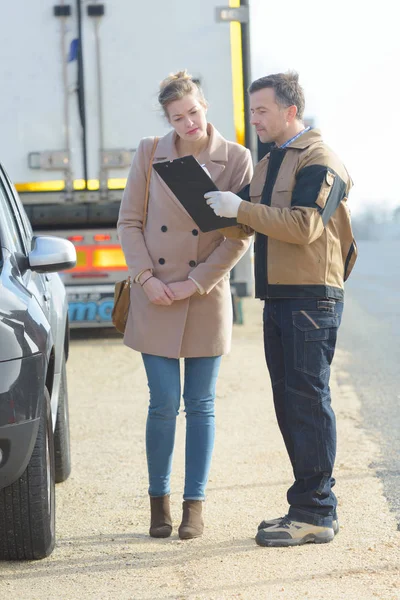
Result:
[{"x": 291, "y": 113}]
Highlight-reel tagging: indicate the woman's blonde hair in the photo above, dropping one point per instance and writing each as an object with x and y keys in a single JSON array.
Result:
[{"x": 176, "y": 86}]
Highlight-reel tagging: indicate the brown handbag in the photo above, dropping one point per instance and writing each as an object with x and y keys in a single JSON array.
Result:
[{"x": 122, "y": 291}]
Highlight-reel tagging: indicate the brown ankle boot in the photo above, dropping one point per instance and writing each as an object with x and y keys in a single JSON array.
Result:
[
  {"x": 192, "y": 521},
  {"x": 161, "y": 523}
]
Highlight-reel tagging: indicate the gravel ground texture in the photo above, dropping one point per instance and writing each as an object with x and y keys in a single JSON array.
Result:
[{"x": 103, "y": 550}]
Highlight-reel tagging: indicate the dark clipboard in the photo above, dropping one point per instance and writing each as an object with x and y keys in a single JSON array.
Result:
[{"x": 189, "y": 182}]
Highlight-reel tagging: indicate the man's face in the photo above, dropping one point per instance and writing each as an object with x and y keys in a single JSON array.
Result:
[{"x": 268, "y": 117}]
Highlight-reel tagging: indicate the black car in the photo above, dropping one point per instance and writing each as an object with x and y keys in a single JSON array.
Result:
[{"x": 34, "y": 428}]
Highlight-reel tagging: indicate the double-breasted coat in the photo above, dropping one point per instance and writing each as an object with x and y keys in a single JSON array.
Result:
[{"x": 173, "y": 247}]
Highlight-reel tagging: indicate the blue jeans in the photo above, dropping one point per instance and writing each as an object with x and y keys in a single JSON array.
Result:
[
  {"x": 299, "y": 339},
  {"x": 200, "y": 378}
]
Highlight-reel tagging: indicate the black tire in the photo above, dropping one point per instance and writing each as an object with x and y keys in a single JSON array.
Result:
[
  {"x": 27, "y": 507},
  {"x": 62, "y": 445}
]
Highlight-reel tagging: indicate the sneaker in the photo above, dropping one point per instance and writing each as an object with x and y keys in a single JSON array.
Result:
[
  {"x": 286, "y": 532},
  {"x": 265, "y": 524}
]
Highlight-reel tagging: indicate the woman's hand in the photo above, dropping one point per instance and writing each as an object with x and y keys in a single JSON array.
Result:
[
  {"x": 157, "y": 292},
  {"x": 183, "y": 289}
]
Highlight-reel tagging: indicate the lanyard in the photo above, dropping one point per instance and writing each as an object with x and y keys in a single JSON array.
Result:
[{"x": 295, "y": 137}]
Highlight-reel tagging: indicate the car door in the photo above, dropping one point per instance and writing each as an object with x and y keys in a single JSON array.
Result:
[
  {"x": 34, "y": 282},
  {"x": 47, "y": 288},
  {"x": 19, "y": 306}
]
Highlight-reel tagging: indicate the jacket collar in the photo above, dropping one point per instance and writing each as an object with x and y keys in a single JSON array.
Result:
[
  {"x": 307, "y": 139},
  {"x": 214, "y": 157},
  {"x": 304, "y": 141}
]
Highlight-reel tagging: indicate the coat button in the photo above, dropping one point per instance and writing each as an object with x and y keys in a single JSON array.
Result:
[
  {"x": 192, "y": 263},
  {"x": 195, "y": 232},
  {"x": 164, "y": 228},
  {"x": 161, "y": 261}
]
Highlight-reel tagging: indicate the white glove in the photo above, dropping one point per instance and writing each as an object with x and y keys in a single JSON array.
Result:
[{"x": 224, "y": 204}]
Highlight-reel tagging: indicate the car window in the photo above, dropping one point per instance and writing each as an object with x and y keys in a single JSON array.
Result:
[
  {"x": 25, "y": 222},
  {"x": 26, "y": 226},
  {"x": 10, "y": 223}
]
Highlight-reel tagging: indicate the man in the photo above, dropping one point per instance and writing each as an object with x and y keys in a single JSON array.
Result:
[{"x": 304, "y": 251}]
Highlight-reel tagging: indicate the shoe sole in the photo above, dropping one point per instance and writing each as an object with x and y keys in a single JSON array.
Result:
[
  {"x": 265, "y": 524},
  {"x": 311, "y": 538},
  {"x": 161, "y": 533},
  {"x": 189, "y": 536}
]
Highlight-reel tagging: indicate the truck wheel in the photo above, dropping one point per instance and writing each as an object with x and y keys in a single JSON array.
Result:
[
  {"x": 62, "y": 447},
  {"x": 27, "y": 507}
]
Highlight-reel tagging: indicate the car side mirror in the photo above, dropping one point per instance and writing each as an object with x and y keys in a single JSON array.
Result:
[{"x": 51, "y": 254}]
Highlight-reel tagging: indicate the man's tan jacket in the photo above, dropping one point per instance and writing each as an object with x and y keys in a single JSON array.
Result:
[{"x": 298, "y": 207}]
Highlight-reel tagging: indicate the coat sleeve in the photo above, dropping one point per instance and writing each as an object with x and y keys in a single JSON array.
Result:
[
  {"x": 235, "y": 243},
  {"x": 317, "y": 193},
  {"x": 131, "y": 213},
  {"x": 240, "y": 185}
]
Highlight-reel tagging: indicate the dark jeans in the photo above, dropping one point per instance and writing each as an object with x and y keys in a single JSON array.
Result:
[{"x": 299, "y": 339}]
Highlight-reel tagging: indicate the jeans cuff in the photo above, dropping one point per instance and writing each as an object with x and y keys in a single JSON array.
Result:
[{"x": 312, "y": 518}]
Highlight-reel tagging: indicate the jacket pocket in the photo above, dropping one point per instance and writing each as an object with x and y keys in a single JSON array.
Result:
[
  {"x": 256, "y": 190},
  {"x": 282, "y": 194},
  {"x": 350, "y": 260},
  {"x": 314, "y": 338},
  {"x": 326, "y": 189}
]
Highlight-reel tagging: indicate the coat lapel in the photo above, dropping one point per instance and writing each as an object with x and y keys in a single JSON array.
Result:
[
  {"x": 166, "y": 149},
  {"x": 215, "y": 156}
]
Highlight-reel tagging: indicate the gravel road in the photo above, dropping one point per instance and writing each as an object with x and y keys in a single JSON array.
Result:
[{"x": 103, "y": 550}]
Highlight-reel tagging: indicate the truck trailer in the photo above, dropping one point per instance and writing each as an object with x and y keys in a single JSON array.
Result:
[{"x": 79, "y": 90}]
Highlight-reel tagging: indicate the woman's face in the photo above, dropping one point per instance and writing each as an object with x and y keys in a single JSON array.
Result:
[{"x": 188, "y": 117}]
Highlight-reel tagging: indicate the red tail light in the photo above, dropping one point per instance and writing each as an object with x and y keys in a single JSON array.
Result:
[{"x": 102, "y": 237}]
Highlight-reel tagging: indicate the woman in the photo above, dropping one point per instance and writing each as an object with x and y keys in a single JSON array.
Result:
[{"x": 180, "y": 299}]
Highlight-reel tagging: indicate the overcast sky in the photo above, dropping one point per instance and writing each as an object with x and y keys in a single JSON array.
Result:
[{"x": 347, "y": 53}]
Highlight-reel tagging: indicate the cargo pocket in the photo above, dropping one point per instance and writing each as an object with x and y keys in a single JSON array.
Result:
[
  {"x": 257, "y": 186},
  {"x": 314, "y": 340},
  {"x": 325, "y": 190},
  {"x": 282, "y": 194},
  {"x": 350, "y": 260}
]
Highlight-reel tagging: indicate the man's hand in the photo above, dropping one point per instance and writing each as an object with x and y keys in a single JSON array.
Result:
[
  {"x": 183, "y": 289},
  {"x": 157, "y": 292},
  {"x": 224, "y": 204}
]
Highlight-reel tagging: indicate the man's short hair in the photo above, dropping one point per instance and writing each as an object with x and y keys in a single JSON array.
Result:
[{"x": 288, "y": 91}]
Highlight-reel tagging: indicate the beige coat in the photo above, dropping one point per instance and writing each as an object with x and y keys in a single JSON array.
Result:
[{"x": 174, "y": 247}]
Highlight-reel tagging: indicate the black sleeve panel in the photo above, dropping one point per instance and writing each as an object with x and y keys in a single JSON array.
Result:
[
  {"x": 318, "y": 186},
  {"x": 244, "y": 193}
]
